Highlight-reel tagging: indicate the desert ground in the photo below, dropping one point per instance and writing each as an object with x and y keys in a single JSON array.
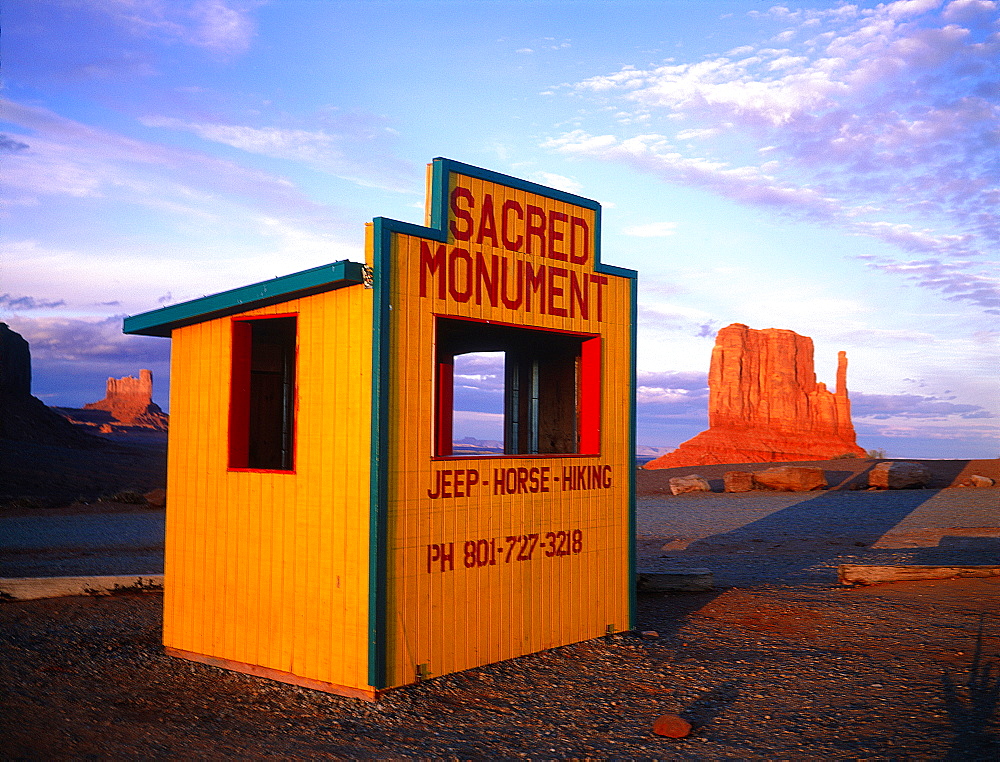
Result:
[{"x": 778, "y": 662}]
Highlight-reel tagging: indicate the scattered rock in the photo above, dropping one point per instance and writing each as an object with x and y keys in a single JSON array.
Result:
[
  {"x": 690, "y": 483},
  {"x": 791, "y": 479},
  {"x": 766, "y": 406},
  {"x": 738, "y": 481},
  {"x": 671, "y": 726},
  {"x": 676, "y": 581},
  {"x": 156, "y": 498},
  {"x": 650, "y": 634},
  {"x": 977, "y": 481},
  {"x": 899, "y": 475}
]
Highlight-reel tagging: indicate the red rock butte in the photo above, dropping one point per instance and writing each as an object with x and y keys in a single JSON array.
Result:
[
  {"x": 766, "y": 406},
  {"x": 130, "y": 401}
]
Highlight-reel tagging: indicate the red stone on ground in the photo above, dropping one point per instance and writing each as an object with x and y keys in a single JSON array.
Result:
[{"x": 671, "y": 726}]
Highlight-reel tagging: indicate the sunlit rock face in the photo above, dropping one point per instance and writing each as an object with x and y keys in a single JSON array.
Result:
[
  {"x": 130, "y": 401},
  {"x": 765, "y": 404}
]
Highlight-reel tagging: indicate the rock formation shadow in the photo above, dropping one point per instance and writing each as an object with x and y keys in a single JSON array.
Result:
[
  {"x": 814, "y": 530},
  {"x": 972, "y": 702}
]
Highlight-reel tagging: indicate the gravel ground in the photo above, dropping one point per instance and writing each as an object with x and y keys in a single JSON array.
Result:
[
  {"x": 900, "y": 672},
  {"x": 779, "y": 663}
]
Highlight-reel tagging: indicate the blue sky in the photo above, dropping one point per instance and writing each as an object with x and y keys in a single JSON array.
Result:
[{"x": 829, "y": 168}]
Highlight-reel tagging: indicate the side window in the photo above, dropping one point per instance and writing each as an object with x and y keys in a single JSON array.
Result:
[
  {"x": 262, "y": 404},
  {"x": 550, "y": 388}
]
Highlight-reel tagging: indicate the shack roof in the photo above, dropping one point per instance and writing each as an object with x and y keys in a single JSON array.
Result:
[{"x": 282, "y": 289}]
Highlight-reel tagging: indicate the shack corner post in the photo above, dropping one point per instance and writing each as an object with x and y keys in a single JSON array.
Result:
[{"x": 322, "y": 527}]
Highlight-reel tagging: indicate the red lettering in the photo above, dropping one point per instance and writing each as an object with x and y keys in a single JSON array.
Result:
[
  {"x": 534, "y": 482},
  {"x": 556, "y": 291},
  {"x": 471, "y": 479},
  {"x": 498, "y": 485},
  {"x": 556, "y": 235},
  {"x": 442, "y": 554},
  {"x": 437, "y": 487},
  {"x": 488, "y": 279},
  {"x": 446, "y": 483},
  {"x": 545, "y": 479},
  {"x": 487, "y": 224},
  {"x": 535, "y": 228},
  {"x": 431, "y": 263},
  {"x": 607, "y": 477},
  {"x": 513, "y": 244},
  {"x": 509, "y": 303},
  {"x": 461, "y": 233},
  {"x": 522, "y": 480},
  {"x": 584, "y": 255},
  {"x": 579, "y": 295},
  {"x": 459, "y": 482},
  {"x": 601, "y": 282},
  {"x": 448, "y": 556},
  {"x": 534, "y": 281},
  {"x": 459, "y": 294}
]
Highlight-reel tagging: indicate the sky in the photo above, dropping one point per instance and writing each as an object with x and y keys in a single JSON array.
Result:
[{"x": 825, "y": 167}]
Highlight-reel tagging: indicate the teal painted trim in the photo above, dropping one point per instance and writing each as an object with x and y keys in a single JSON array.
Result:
[
  {"x": 378, "y": 573},
  {"x": 632, "y": 550},
  {"x": 316, "y": 280},
  {"x": 451, "y": 166},
  {"x": 621, "y": 272}
]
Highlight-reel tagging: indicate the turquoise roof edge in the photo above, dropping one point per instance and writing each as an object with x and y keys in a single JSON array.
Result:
[{"x": 313, "y": 281}]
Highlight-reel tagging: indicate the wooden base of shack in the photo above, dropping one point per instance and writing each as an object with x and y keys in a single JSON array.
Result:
[{"x": 366, "y": 694}]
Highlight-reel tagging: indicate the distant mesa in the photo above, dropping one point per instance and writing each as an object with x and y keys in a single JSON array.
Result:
[
  {"x": 23, "y": 417},
  {"x": 766, "y": 406},
  {"x": 129, "y": 400},
  {"x": 473, "y": 446}
]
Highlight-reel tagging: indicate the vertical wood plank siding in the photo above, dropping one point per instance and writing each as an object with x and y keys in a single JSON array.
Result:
[
  {"x": 271, "y": 569},
  {"x": 456, "y": 619}
]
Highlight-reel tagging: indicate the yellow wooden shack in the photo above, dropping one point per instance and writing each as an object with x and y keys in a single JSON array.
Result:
[{"x": 322, "y": 527}]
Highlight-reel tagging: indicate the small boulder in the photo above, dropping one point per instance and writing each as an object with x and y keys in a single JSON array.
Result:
[
  {"x": 791, "y": 478},
  {"x": 899, "y": 475},
  {"x": 738, "y": 481},
  {"x": 977, "y": 481},
  {"x": 690, "y": 483},
  {"x": 671, "y": 726},
  {"x": 156, "y": 498}
]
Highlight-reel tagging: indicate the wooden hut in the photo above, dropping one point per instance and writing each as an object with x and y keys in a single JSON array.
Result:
[{"x": 323, "y": 529}]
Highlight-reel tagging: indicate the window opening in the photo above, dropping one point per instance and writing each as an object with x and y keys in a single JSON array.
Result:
[
  {"x": 550, "y": 389},
  {"x": 478, "y": 403},
  {"x": 262, "y": 410}
]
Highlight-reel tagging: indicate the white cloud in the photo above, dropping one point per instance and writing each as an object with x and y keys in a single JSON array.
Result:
[
  {"x": 875, "y": 118},
  {"x": 215, "y": 25},
  {"x": 557, "y": 181},
  {"x": 332, "y": 152},
  {"x": 652, "y": 230}
]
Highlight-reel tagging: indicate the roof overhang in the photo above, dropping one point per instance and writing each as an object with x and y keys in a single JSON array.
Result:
[{"x": 285, "y": 288}]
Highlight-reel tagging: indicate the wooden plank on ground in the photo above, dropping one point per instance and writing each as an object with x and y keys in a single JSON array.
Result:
[
  {"x": 31, "y": 588},
  {"x": 857, "y": 574}
]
